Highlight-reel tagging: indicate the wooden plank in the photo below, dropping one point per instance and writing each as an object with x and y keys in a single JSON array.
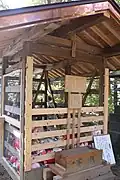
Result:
[
  {"x": 13, "y": 68},
  {"x": 64, "y": 132},
  {"x": 68, "y": 128},
  {"x": 12, "y": 130},
  {"x": 41, "y": 111},
  {"x": 49, "y": 111},
  {"x": 75, "y": 84},
  {"x": 12, "y": 121},
  {"x": 106, "y": 96},
  {"x": 74, "y": 45},
  {"x": 28, "y": 113},
  {"x": 55, "y": 144},
  {"x": 11, "y": 149},
  {"x": 10, "y": 170},
  {"x": 12, "y": 89},
  {"x": 1, "y": 137},
  {"x": 73, "y": 129},
  {"x": 12, "y": 109},
  {"x": 64, "y": 121},
  {"x": 22, "y": 119},
  {"x": 79, "y": 125}
]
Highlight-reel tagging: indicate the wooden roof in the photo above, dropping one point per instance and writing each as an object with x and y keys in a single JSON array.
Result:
[{"x": 81, "y": 33}]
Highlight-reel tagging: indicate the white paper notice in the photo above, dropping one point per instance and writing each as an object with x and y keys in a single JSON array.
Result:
[{"x": 103, "y": 142}]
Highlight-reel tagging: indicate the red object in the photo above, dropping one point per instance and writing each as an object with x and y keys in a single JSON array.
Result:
[
  {"x": 13, "y": 159},
  {"x": 16, "y": 144}
]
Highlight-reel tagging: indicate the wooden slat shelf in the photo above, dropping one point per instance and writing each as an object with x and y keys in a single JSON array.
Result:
[
  {"x": 46, "y": 111},
  {"x": 12, "y": 109},
  {"x": 55, "y": 144},
  {"x": 64, "y": 132},
  {"x": 11, "y": 149},
  {"x": 64, "y": 121},
  {"x": 13, "y": 89},
  {"x": 12, "y": 121},
  {"x": 10, "y": 170},
  {"x": 58, "y": 143},
  {"x": 12, "y": 130}
]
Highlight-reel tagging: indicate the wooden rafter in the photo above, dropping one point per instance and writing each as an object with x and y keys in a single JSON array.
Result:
[
  {"x": 79, "y": 24},
  {"x": 29, "y": 34},
  {"x": 112, "y": 51}
]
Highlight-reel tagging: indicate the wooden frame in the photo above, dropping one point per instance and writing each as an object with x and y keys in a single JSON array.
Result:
[{"x": 75, "y": 113}]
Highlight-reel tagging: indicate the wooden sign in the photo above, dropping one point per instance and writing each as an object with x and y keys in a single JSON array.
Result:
[
  {"x": 75, "y": 84},
  {"x": 75, "y": 101}
]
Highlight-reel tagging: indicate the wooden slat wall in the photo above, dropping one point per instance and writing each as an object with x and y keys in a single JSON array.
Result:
[{"x": 85, "y": 118}]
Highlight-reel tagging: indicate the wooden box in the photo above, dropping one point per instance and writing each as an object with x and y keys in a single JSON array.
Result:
[
  {"x": 75, "y": 84},
  {"x": 78, "y": 159}
]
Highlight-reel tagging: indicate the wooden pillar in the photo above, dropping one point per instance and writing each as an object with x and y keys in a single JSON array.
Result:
[
  {"x": 28, "y": 113},
  {"x": 101, "y": 84},
  {"x": 22, "y": 118},
  {"x": 4, "y": 66},
  {"x": 46, "y": 88},
  {"x": 101, "y": 89},
  {"x": 115, "y": 92},
  {"x": 106, "y": 96},
  {"x": 67, "y": 72}
]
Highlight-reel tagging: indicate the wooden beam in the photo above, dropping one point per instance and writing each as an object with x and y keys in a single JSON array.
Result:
[
  {"x": 28, "y": 114},
  {"x": 112, "y": 51},
  {"x": 79, "y": 24},
  {"x": 29, "y": 34},
  {"x": 22, "y": 119},
  {"x": 43, "y": 49},
  {"x": 106, "y": 96},
  {"x": 63, "y": 42}
]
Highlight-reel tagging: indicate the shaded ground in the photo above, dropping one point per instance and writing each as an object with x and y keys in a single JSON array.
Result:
[{"x": 3, "y": 174}]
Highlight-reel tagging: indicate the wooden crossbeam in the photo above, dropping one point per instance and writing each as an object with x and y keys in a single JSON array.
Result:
[
  {"x": 112, "y": 51},
  {"x": 43, "y": 49}
]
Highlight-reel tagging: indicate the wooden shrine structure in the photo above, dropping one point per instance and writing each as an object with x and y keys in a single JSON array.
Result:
[{"x": 64, "y": 40}]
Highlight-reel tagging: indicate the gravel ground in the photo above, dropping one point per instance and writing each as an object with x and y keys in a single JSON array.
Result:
[{"x": 3, "y": 174}]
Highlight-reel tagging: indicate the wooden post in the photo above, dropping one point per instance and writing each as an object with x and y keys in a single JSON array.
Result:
[
  {"x": 67, "y": 72},
  {"x": 101, "y": 85},
  {"x": 46, "y": 87},
  {"x": 28, "y": 113},
  {"x": 22, "y": 119},
  {"x": 4, "y": 66},
  {"x": 106, "y": 96}
]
